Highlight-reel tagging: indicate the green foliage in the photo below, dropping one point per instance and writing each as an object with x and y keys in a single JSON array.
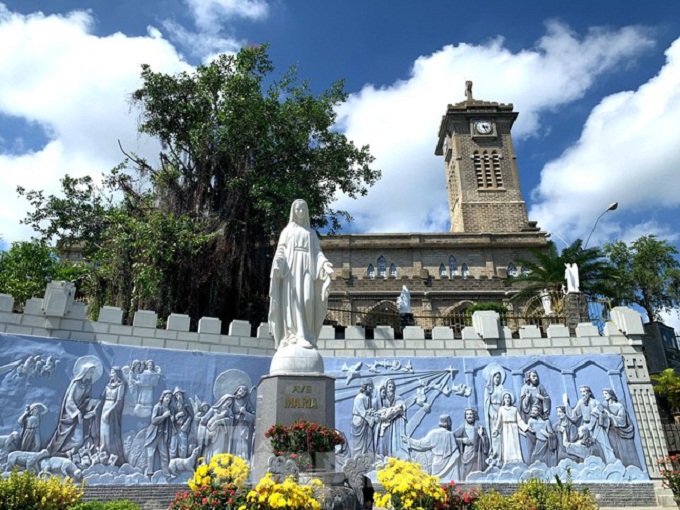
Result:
[
  {"x": 491, "y": 305},
  {"x": 669, "y": 467},
  {"x": 25, "y": 491},
  {"x": 106, "y": 505},
  {"x": 648, "y": 274},
  {"x": 667, "y": 386},
  {"x": 27, "y": 266},
  {"x": 546, "y": 271},
  {"x": 539, "y": 495},
  {"x": 194, "y": 233}
]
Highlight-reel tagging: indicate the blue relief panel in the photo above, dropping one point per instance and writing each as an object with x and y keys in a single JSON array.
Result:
[
  {"x": 492, "y": 419},
  {"x": 116, "y": 414}
]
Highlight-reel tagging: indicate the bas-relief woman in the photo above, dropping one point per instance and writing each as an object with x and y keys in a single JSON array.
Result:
[
  {"x": 493, "y": 400},
  {"x": 75, "y": 415},
  {"x": 300, "y": 281},
  {"x": 507, "y": 426},
  {"x": 110, "y": 428}
]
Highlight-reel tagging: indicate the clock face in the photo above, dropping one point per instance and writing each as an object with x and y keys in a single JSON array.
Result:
[{"x": 483, "y": 127}]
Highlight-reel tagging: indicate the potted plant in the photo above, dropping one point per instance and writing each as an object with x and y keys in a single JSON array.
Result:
[{"x": 302, "y": 441}]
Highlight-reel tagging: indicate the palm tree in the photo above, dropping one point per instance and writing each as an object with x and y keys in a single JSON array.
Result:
[{"x": 546, "y": 272}]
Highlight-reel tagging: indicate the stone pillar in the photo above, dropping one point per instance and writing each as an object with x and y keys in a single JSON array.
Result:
[
  {"x": 285, "y": 398},
  {"x": 575, "y": 310}
]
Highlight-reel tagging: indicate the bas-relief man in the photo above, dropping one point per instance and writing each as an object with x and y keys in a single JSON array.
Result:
[
  {"x": 182, "y": 419},
  {"x": 473, "y": 443},
  {"x": 542, "y": 438},
  {"x": 619, "y": 429},
  {"x": 158, "y": 434},
  {"x": 363, "y": 421},
  {"x": 391, "y": 413},
  {"x": 442, "y": 445},
  {"x": 244, "y": 423},
  {"x": 533, "y": 393},
  {"x": 587, "y": 412},
  {"x": 300, "y": 282}
]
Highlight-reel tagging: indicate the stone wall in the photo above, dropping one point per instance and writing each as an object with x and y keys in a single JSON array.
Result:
[{"x": 485, "y": 338}]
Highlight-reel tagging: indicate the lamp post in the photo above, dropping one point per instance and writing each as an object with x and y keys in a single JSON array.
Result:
[{"x": 612, "y": 207}]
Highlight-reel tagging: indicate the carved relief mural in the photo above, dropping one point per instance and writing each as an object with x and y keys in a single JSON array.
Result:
[{"x": 115, "y": 414}]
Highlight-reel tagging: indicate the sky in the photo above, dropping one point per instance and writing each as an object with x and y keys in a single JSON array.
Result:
[{"x": 596, "y": 85}]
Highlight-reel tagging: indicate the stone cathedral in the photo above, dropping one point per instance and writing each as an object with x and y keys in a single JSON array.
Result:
[{"x": 445, "y": 272}]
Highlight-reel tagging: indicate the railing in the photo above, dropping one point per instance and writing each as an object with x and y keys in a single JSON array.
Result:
[{"x": 456, "y": 321}]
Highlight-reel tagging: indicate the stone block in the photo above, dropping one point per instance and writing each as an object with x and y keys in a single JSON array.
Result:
[
  {"x": 120, "y": 330},
  {"x": 487, "y": 324},
  {"x": 111, "y": 315},
  {"x": 355, "y": 333},
  {"x": 167, "y": 335},
  {"x": 153, "y": 342},
  {"x": 71, "y": 325},
  {"x": 240, "y": 328},
  {"x": 130, "y": 340},
  {"x": 529, "y": 331},
  {"x": 144, "y": 332},
  {"x": 37, "y": 321},
  {"x": 383, "y": 332},
  {"x": 469, "y": 333},
  {"x": 327, "y": 332},
  {"x": 263, "y": 331},
  {"x": 413, "y": 333},
  {"x": 145, "y": 319},
  {"x": 58, "y": 299},
  {"x": 442, "y": 333},
  {"x": 627, "y": 320},
  {"x": 95, "y": 327},
  {"x": 10, "y": 318},
  {"x": 33, "y": 306},
  {"x": 586, "y": 329},
  {"x": 178, "y": 322},
  {"x": 557, "y": 331},
  {"x": 82, "y": 336},
  {"x": 541, "y": 342},
  {"x": 208, "y": 338},
  {"x": 6, "y": 303},
  {"x": 210, "y": 325},
  {"x": 78, "y": 311},
  {"x": 176, "y": 344}
]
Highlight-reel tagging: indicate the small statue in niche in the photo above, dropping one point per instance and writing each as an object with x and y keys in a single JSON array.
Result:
[{"x": 404, "y": 301}]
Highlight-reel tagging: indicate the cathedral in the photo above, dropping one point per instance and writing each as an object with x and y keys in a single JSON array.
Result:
[{"x": 446, "y": 272}]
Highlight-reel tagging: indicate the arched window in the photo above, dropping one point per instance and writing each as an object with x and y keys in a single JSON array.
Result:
[
  {"x": 442, "y": 270},
  {"x": 371, "y": 271},
  {"x": 465, "y": 271},
  {"x": 382, "y": 271},
  {"x": 453, "y": 267},
  {"x": 512, "y": 270},
  {"x": 393, "y": 271}
]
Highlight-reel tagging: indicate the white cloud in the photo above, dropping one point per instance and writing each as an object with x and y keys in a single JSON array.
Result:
[
  {"x": 628, "y": 151},
  {"x": 401, "y": 122},
  {"x": 209, "y": 14},
  {"x": 212, "y": 18},
  {"x": 75, "y": 86}
]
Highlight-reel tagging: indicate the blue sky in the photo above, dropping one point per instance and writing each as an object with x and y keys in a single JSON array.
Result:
[{"x": 597, "y": 85}]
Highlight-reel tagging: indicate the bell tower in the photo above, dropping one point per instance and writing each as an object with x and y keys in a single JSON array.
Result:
[{"x": 481, "y": 167}]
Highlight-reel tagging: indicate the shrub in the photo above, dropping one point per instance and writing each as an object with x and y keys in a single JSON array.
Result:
[
  {"x": 270, "y": 495},
  {"x": 25, "y": 491},
  {"x": 539, "y": 495},
  {"x": 219, "y": 484},
  {"x": 408, "y": 486},
  {"x": 458, "y": 499},
  {"x": 669, "y": 467}
]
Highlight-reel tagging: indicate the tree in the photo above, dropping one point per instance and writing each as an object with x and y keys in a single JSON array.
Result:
[
  {"x": 194, "y": 233},
  {"x": 648, "y": 274},
  {"x": 546, "y": 271},
  {"x": 26, "y": 268}
]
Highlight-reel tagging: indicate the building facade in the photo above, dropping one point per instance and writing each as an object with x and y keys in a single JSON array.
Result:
[{"x": 445, "y": 272}]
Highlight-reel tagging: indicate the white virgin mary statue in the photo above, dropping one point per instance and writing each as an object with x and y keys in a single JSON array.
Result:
[{"x": 300, "y": 281}]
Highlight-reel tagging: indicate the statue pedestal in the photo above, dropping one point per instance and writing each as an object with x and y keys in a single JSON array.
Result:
[
  {"x": 294, "y": 359},
  {"x": 284, "y": 398}
]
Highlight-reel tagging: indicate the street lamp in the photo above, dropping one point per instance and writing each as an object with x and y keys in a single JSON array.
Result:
[{"x": 612, "y": 207}]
